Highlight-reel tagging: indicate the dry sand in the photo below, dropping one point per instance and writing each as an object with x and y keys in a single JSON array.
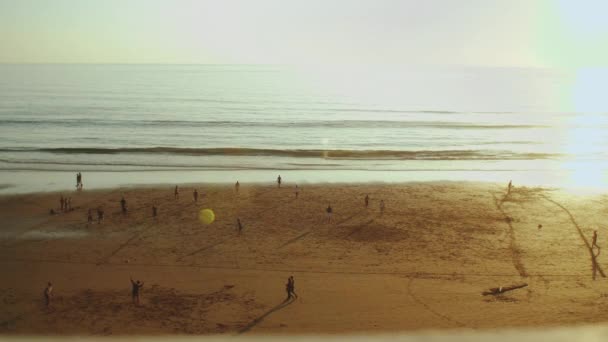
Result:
[{"x": 421, "y": 265}]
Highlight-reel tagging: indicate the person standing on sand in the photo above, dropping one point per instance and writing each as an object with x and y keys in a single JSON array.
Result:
[
  {"x": 135, "y": 288},
  {"x": 237, "y": 186},
  {"x": 509, "y": 187},
  {"x": 297, "y": 191},
  {"x": 90, "y": 216},
  {"x": 99, "y": 215},
  {"x": 366, "y": 201},
  {"x": 594, "y": 242},
  {"x": 292, "y": 286},
  {"x": 381, "y": 207},
  {"x": 195, "y": 195},
  {"x": 176, "y": 193},
  {"x": 123, "y": 205},
  {"x": 154, "y": 211},
  {"x": 48, "y": 293},
  {"x": 329, "y": 210},
  {"x": 288, "y": 290},
  {"x": 279, "y": 181},
  {"x": 239, "y": 225}
]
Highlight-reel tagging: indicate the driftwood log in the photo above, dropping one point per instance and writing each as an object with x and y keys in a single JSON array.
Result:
[{"x": 498, "y": 290}]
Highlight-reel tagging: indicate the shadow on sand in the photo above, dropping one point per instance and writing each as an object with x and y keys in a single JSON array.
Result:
[{"x": 257, "y": 321}]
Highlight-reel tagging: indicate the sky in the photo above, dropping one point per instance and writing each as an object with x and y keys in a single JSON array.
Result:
[{"x": 502, "y": 33}]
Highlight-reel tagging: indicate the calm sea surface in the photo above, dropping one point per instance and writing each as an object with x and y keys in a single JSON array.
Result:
[{"x": 241, "y": 117}]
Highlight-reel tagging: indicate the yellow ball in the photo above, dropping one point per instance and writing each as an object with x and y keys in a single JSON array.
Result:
[{"x": 206, "y": 216}]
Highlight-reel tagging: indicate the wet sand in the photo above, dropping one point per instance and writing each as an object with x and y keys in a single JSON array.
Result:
[{"x": 422, "y": 264}]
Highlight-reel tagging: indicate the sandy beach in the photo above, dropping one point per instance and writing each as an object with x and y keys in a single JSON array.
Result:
[{"x": 422, "y": 264}]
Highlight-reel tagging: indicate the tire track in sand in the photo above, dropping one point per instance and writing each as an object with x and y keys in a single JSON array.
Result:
[
  {"x": 515, "y": 253},
  {"x": 594, "y": 265},
  {"x": 431, "y": 310}
]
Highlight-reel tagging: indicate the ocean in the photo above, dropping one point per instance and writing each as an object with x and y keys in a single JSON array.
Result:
[{"x": 149, "y": 124}]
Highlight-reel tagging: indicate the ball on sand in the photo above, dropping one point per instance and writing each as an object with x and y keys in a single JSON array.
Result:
[{"x": 206, "y": 216}]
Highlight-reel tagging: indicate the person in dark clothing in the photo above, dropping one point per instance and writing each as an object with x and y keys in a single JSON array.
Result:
[
  {"x": 279, "y": 181},
  {"x": 135, "y": 289},
  {"x": 239, "y": 225},
  {"x": 195, "y": 195},
  {"x": 329, "y": 211},
  {"x": 176, "y": 192},
  {"x": 366, "y": 201},
  {"x": 48, "y": 293},
  {"x": 123, "y": 205},
  {"x": 154, "y": 211},
  {"x": 594, "y": 243},
  {"x": 99, "y": 215},
  {"x": 292, "y": 287}
]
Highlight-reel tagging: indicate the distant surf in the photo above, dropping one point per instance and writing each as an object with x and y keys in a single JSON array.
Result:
[{"x": 324, "y": 154}]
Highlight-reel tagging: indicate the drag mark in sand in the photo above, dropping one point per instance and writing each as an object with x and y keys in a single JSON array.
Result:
[
  {"x": 205, "y": 248},
  {"x": 595, "y": 266},
  {"x": 258, "y": 320},
  {"x": 426, "y": 306},
  {"x": 123, "y": 245},
  {"x": 515, "y": 253},
  {"x": 301, "y": 236}
]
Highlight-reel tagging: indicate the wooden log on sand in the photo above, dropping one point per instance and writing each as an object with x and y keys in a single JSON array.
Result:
[{"x": 498, "y": 290}]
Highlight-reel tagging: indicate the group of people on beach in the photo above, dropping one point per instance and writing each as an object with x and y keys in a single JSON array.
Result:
[
  {"x": 136, "y": 287},
  {"x": 65, "y": 203}
]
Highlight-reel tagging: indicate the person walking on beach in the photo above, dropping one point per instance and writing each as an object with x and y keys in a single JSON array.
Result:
[
  {"x": 48, "y": 293},
  {"x": 279, "y": 181},
  {"x": 381, "y": 207},
  {"x": 99, "y": 215},
  {"x": 297, "y": 191},
  {"x": 594, "y": 242},
  {"x": 176, "y": 193},
  {"x": 292, "y": 287},
  {"x": 509, "y": 187},
  {"x": 239, "y": 225},
  {"x": 366, "y": 201},
  {"x": 329, "y": 210},
  {"x": 154, "y": 211},
  {"x": 195, "y": 195},
  {"x": 289, "y": 289},
  {"x": 90, "y": 216},
  {"x": 78, "y": 181},
  {"x": 135, "y": 289},
  {"x": 123, "y": 205},
  {"x": 237, "y": 186}
]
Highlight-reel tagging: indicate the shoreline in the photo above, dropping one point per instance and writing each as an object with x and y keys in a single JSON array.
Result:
[{"x": 23, "y": 182}]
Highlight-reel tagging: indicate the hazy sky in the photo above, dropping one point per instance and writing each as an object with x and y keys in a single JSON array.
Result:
[{"x": 544, "y": 33}]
